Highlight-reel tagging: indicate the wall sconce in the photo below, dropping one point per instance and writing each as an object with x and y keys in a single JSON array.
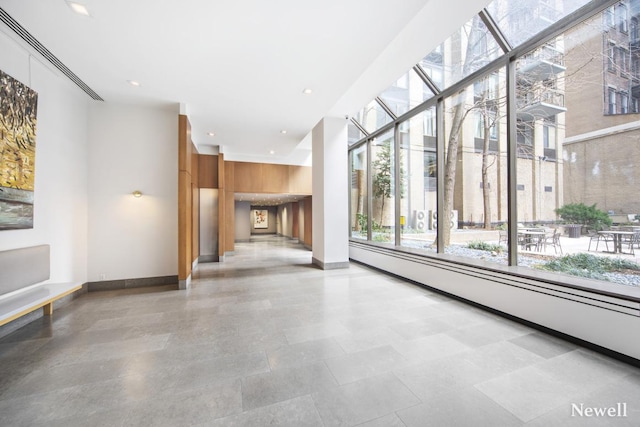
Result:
[{"x": 137, "y": 194}]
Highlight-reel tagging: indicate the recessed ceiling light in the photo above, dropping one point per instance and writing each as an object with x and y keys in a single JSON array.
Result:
[
  {"x": 78, "y": 8},
  {"x": 133, "y": 83},
  {"x": 211, "y": 133},
  {"x": 272, "y": 152},
  {"x": 307, "y": 91},
  {"x": 283, "y": 131}
]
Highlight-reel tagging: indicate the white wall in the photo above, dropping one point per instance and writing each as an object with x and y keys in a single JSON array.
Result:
[
  {"x": 285, "y": 220},
  {"x": 133, "y": 148},
  {"x": 242, "y": 223},
  {"x": 60, "y": 200}
]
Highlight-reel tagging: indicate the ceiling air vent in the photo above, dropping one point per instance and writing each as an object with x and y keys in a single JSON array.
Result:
[{"x": 34, "y": 43}]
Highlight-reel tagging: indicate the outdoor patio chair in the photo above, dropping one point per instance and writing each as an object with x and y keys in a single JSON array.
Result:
[
  {"x": 553, "y": 239},
  {"x": 597, "y": 237}
]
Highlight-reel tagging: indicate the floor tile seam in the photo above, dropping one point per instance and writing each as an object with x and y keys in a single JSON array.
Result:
[{"x": 558, "y": 403}]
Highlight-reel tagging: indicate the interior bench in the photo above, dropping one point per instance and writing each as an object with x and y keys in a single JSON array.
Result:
[{"x": 23, "y": 288}]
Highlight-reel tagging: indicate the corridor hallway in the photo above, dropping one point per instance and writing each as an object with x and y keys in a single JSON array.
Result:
[{"x": 265, "y": 338}]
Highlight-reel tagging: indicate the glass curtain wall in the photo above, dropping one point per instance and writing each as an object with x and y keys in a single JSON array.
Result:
[
  {"x": 574, "y": 117},
  {"x": 383, "y": 188},
  {"x": 359, "y": 194},
  {"x": 418, "y": 204}
]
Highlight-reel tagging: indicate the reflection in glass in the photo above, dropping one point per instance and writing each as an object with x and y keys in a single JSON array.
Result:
[
  {"x": 359, "y": 198},
  {"x": 475, "y": 186},
  {"x": 353, "y": 133},
  {"x": 372, "y": 117},
  {"x": 383, "y": 189},
  {"x": 467, "y": 50},
  {"x": 519, "y": 20},
  {"x": 406, "y": 93},
  {"x": 418, "y": 202}
]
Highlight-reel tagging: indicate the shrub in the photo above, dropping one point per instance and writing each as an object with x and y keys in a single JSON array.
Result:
[
  {"x": 484, "y": 246},
  {"x": 588, "y": 265},
  {"x": 579, "y": 213}
]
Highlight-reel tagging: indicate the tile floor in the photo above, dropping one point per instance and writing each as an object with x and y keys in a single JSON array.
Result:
[{"x": 267, "y": 339}]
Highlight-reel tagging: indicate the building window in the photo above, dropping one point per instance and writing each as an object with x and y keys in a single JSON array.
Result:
[
  {"x": 624, "y": 102},
  {"x": 612, "y": 101},
  {"x": 633, "y": 33},
  {"x": 635, "y": 105},
  {"x": 611, "y": 57},
  {"x": 623, "y": 24},
  {"x": 548, "y": 189},
  {"x": 549, "y": 135},
  {"x": 623, "y": 54},
  {"x": 609, "y": 19}
]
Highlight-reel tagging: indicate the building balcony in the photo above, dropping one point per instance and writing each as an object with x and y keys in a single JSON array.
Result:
[
  {"x": 543, "y": 63},
  {"x": 539, "y": 104}
]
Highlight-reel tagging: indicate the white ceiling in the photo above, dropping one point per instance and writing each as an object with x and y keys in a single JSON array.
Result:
[{"x": 240, "y": 66}]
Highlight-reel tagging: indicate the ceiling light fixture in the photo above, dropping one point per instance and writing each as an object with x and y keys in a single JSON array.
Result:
[
  {"x": 283, "y": 131},
  {"x": 307, "y": 91},
  {"x": 211, "y": 133},
  {"x": 133, "y": 83},
  {"x": 272, "y": 152},
  {"x": 78, "y": 8}
]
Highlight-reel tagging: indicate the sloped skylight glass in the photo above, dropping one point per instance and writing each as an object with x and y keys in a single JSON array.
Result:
[
  {"x": 353, "y": 133},
  {"x": 519, "y": 20},
  {"x": 372, "y": 117},
  {"x": 464, "y": 52},
  {"x": 407, "y": 92}
]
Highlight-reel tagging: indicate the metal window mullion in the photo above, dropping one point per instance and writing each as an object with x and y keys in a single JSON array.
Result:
[
  {"x": 512, "y": 176},
  {"x": 426, "y": 79},
  {"x": 359, "y": 126},
  {"x": 440, "y": 169},
  {"x": 386, "y": 108},
  {"x": 350, "y": 199},
  {"x": 369, "y": 190},
  {"x": 495, "y": 31},
  {"x": 397, "y": 182}
]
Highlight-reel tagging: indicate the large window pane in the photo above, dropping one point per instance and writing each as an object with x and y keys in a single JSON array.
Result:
[
  {"x": 469, "y": 49},
  {"x": 406, "y": 93},
  {"x": 520, "y": 20},
  {"x": 418, "y": 166},
  {"x": 476, "y": 171},
  {"x": 359, "y": 199},
  {"x": 372, "y": 117},
  {"x": 383, "y": 189},
  {"x": 354, "y": 134},
  {"x": 578, "y": 175}
]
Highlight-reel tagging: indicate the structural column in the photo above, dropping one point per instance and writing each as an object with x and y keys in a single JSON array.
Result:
[{"x": 330, "y": 189}]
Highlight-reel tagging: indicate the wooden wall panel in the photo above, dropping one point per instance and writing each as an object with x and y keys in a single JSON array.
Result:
[
  {"x": 207, "y": 171},
  {"x": 230, "y": 221},
  {"x": 295, "y": 222},
  {"x": 195, "y": 222},
  {"x": 185, "y": 147},
  {"x": 299, "y": 180},
  {"x": 270, "y": 178},
  {"x": 184, "y": 225},
  {"x": 248, "y": 177},
  {"x": 194, "y": 166},
  {"x": 308, "y": 238},
  {"x": 275, "y": 178},
  {"x": 229, "y": 176}
]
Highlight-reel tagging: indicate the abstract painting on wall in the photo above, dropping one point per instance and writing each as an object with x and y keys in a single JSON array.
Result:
[
  {"x": 18, "y": 109},
  {"x": 261, "y": 218}
]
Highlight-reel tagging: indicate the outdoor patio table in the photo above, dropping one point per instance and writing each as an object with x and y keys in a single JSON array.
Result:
[
  {"x": 531, "y": 237},
  {"x": 617, "y": 239}
]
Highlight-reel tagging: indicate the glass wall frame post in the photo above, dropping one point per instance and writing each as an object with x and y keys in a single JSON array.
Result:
[
  {"x": 440, "y": 169},
  {"x": 397, "y": 183},
  {"x": 512, "y": 176},
  {"x": 369, "y": 193}
]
